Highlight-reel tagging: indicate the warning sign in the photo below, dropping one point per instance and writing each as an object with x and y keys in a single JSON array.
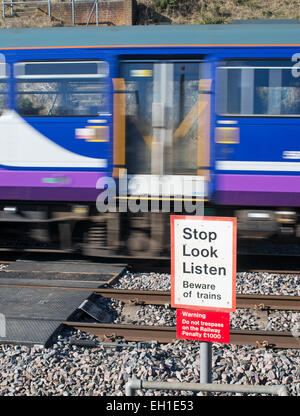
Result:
[
  {"x": 203, "y": 256},
  {"x": 203, "y": 326}
]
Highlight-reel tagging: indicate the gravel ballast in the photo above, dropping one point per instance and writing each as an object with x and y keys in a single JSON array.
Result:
[{"x": 103, "y": 370}]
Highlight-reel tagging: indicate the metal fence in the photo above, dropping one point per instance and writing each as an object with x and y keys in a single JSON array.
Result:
[{"x": 11, "y": 4}]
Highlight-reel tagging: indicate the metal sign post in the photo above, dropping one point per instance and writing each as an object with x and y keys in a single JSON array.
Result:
[
  {"x": 206, "y": 327},
  {"x": 205, "y": 362},
  {"x": 203, "y": 273}
]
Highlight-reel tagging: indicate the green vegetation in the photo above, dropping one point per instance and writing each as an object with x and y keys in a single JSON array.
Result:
[
  {"x": 165, "y": 4},
  {"x": 213, "y": 11}
]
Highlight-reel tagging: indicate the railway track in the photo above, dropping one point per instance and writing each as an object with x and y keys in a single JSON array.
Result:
[
  {"x": 261, "y": 302},
  {"x": 30, "y": 280},
  {"x": 163, "y": 298},
  {"x": 273, "y": 339},
  {"x": 143, "y": 333},
  {"x": 263, "y": 263}
]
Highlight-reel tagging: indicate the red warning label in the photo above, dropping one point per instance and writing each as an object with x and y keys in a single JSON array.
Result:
[{"x": 203, "y": 325}]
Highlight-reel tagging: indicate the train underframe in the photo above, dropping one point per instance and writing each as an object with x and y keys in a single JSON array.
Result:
[{"x": 82, "y": 229}]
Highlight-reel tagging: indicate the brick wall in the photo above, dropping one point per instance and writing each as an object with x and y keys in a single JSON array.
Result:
[{"x": 110, "y": 12}]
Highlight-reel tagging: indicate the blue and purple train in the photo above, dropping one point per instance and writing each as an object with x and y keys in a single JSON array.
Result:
[{"x": 217, "y": 106}]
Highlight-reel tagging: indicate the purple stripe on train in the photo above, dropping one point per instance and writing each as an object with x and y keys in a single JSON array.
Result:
[
  {"x": 49, "y": 186},
  {"x": 81, "y": 186},
  {"x": 258, "y": 190}
]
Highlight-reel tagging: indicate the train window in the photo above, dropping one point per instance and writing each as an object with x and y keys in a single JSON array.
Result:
[
  {"x": 3, "y": 89},
  {"x": 161, "y": 109},
  {"x": 61, "y": 88},
  {"x": 3, "y": 82},
  {"x": 258, "y": 88}
]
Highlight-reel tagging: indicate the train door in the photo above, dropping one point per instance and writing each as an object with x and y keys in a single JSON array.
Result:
[{"x": 166, "y": 123}]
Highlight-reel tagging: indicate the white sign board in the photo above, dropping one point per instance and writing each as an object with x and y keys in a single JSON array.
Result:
[{"x": 203, "y": 257}]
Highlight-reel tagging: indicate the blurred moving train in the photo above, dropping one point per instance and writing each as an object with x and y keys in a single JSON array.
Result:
[{"x": 216, "y": 103}]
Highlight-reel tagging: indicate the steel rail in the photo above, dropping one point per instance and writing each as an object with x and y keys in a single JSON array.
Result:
[
  {"x": 268, "y": 302},
  {"x": 152, "y": 297},
  {"x": 269, "y": 271},
  {"x": 143, "y": 333}
]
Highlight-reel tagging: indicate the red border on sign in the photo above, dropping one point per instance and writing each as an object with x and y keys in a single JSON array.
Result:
[{"x": 234, "y": 243}]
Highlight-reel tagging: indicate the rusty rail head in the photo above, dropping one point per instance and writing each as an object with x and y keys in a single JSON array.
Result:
[
  {"x": 261, "y": 302},
  {"x": 156, "y": 297},
  {"x": 144, "y": 297},
  {"x": 143, "y": 333},
  {"x": 268, "y": 302}
]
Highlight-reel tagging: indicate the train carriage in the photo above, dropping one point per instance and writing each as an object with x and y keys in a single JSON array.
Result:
[{"x": 215, "y": 106}]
